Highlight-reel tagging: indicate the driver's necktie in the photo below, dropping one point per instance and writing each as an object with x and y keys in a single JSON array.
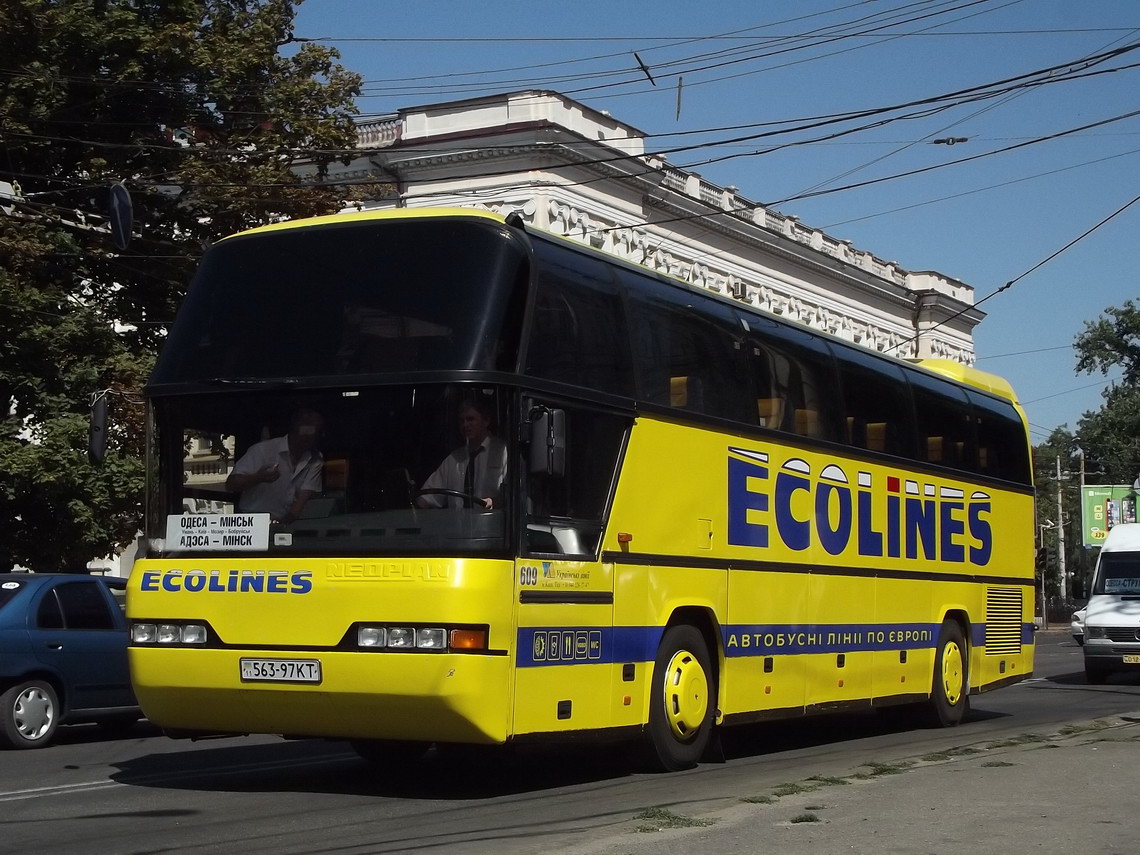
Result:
[{"x": 469, "y": 477}]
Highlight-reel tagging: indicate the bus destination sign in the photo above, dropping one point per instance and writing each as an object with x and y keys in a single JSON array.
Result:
[{"x": 218, "y": 532}]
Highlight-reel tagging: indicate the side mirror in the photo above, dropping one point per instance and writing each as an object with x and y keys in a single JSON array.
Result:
[
  {"x": 548, "y": 441},
  {"x": 97, "y": 432}
]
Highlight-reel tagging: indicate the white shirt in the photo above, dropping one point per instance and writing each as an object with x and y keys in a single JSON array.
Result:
[
  {"x": 277, "y": 497},
  {"x": 490, "y": 473}
]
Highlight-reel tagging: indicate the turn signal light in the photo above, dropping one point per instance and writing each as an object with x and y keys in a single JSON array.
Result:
[{"x": 468, "y": 639}]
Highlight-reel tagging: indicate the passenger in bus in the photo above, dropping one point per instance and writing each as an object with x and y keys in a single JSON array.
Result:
[
  {"x": 476, "y": 470},
  {"x": 279, "y": 475}
]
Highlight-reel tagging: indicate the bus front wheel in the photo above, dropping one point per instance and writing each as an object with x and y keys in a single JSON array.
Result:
[
  {"x": 680, "y": 701},
  {"x": 950, "y": 693}
]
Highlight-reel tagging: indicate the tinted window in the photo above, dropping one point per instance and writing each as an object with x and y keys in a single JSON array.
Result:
[
  {"x": 943, "y": 422},
  {"x": 877, "y": 408},
  {"x": 1003, "y": 451},
  {"x": 49, "y": 615},
  {"x": 357, "y": 297},
  {"x": 689, "y": 350},
  {"x": 566, "y": 514},
  {"x": 578, "y": 332},
  {"x": 84, "y": 606},
  {"x": 793, "y": 379}
]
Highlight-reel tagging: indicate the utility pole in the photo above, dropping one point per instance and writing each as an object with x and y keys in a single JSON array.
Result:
[{"x": 1061, "y": 538}]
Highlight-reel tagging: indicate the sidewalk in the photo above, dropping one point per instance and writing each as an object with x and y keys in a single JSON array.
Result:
[{"x": 1071, "y": 792}]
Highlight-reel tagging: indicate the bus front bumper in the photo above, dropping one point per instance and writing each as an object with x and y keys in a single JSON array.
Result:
[{"x": 444, "y": 697}]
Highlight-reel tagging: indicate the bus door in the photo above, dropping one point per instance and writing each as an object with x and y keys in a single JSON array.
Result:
[{"x": 564, "y": 656}]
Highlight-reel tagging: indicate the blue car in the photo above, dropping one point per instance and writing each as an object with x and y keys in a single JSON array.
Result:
[{"x": 63, "y": 656}]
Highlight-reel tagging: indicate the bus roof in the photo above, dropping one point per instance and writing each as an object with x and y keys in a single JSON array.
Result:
[
  {"x": 970, "y": 376},
  {"x": 372, "y": 214}
]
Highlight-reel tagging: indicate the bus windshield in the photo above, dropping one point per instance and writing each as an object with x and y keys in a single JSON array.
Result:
[
  {"x": 362, "y": 457},
  {"x": 355, "y": 298}
]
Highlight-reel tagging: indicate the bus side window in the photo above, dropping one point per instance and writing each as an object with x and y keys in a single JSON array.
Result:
[
  {"x": 877, "y": 403},
  {"x": 566, "y": 513},
  {"x": 689, "y": 350},
  {"x": 942, "y": 417},
  {"x": 793, "y": 376},
  {"x": 578, "y": 333},
  {"x": 1002, "y": 448}
]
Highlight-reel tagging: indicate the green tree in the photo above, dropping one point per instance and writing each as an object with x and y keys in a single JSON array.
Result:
[
  {"x": 1060, "y": 447},
  {"x": 200, "y": 107},
  {"x": 1110, "y": 436}
]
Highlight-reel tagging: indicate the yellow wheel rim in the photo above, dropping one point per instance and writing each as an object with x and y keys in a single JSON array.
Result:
[
  {"x": 953, "y": 673},
  {"x": 686, "y": 695}
]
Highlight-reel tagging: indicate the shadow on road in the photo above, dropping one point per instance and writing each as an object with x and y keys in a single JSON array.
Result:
[{"x": 468, "y": 772}]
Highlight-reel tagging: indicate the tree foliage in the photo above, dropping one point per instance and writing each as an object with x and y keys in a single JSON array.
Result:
[
  {"x": 1110, "y": 436},
  {"x": 201, "y": 108}
]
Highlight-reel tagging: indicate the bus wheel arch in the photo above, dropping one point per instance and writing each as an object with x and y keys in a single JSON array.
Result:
[
  {"x": 683, "y": 693},
  {"x": 950, "y": 686}
]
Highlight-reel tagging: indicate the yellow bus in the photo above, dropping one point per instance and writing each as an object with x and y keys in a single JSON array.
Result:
[{"x": 690, "y": 513}]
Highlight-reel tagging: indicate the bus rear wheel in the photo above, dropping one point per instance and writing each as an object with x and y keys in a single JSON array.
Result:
[
  {"x": 950, "y": 692},
  {"x": 680, "y": 701}
]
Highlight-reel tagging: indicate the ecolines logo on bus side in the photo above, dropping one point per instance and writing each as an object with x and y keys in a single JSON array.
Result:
[
  {"x": 229, "y": 581},
  {"x": 891, "y": 518}
]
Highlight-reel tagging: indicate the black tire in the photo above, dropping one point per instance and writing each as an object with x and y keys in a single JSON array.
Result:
[
  {"x": 1095, "y": 675},
  {"x": 1080, "y": 639},
  {"x": 29, "y": 715},
  {"x": 390, "y": 752},
  {"x": 681, "y": 701},
  {"x": 950, "y": 689}
]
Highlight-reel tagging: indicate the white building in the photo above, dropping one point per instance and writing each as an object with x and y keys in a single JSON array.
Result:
[{"x": 568, "y": 169}]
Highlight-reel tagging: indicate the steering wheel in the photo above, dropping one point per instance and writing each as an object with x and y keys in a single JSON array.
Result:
[{"x": 476, "y": 501}]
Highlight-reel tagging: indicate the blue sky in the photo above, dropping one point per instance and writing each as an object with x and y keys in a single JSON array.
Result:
[{"x": 985, "y": 222}]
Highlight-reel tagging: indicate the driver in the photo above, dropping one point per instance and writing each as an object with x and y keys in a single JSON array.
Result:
[{"x": 476, "y": 470}]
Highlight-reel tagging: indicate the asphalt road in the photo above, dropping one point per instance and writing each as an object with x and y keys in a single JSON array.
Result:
[{"x": 144, "y": 793}]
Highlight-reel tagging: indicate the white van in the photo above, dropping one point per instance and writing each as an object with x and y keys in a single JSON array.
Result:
[{"x": 1112, "y": 618}]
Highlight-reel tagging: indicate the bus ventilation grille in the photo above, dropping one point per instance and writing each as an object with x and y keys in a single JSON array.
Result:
[{"x": 1003, "y": 621}]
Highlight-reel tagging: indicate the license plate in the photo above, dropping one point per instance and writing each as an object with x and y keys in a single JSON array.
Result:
[
  {"x": 1131, "y": 658},
  {"x": 281, "y": 670}
]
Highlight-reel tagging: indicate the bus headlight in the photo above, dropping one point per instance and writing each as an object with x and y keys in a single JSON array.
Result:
[
  {"x": 372, "y": 636},
  {"x": 193, "y": 633},
  {"x": 169, "y": 634},
  {"x": 431, "y": 638},
  {"x": 401, "y": 636}
]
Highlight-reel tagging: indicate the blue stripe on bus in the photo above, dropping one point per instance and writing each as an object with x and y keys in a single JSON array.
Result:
[{"x": 599, "y": 645}]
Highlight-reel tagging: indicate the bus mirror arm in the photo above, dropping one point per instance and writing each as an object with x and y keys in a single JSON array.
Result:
[{"x": 547, "y": 441}]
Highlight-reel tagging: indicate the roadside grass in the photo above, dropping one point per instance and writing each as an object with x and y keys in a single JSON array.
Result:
[
  {"x": 660, "y": 819},
  {"x": 951, "y": 753},
  {"x": 872, "y": 770},
  {"x": 880, "y": 769}
]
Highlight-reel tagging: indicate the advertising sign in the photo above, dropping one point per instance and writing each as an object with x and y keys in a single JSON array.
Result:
[{"x": 1104, "y": 506}]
